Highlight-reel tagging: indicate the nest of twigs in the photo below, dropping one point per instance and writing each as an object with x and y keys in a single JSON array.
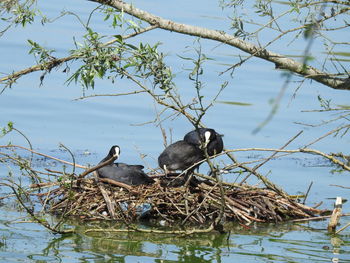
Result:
[{"x": 92, "y": 199}]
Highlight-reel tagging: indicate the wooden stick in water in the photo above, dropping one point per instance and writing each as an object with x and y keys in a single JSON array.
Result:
[{"x": 334, "y": 220}]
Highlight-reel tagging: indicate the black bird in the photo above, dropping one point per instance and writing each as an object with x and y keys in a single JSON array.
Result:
[
  {"x": 207, "y": 138},
  {"x": 185, "y": 153},
  {"x": 122, "y": 172},
  {"x": 113, "y": 152},
  {"x": 179, "y": 156}
]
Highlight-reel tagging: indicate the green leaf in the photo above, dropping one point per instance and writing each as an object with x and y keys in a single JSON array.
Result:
[
  {"x": 119, "y": 38},
  {"x": 131, "y": 46},
  {"x": 234, "y": 103},
  {"x": 31, "y": 42},
  {"x": 340, "y": 53},
  {"x": 344, "y": 107},
  {"x": 309, "y": 30},
  {"x": 133, "y": 24},
  {"x": 7, "y": 129},
  {"x": 106, "y": 17},
  {"x": 129, "y": 65},
  {"x": 184, "y": 58}
]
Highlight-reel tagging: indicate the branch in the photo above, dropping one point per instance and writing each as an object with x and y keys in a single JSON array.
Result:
[
  {"x": 280, "y": 61},
  {"x": 110, "y": 95},
  {"x": 154, "y": 231},
  {"x": 302, "y": 150},
  {"x": 98, "y": 166},
  {"x": 44, "y": 155},
  {"x": 31, "y": 212},
  {"x": 264, "y": 179},
  {"x": 54, "y": 62},
  {"x": 268, "y": 159}
]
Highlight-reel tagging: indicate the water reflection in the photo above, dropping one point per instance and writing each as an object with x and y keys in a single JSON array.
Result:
[
  {"x": 261, "y": 243},
  {"x": 293, "y": 243}
]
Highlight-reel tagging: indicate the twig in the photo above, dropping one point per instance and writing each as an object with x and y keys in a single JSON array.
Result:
[
  {"x": 279, "y": 60},
  {"x": 71, "y": 154},
  {"x": 31, "y": 213},
  {"x": 327, "y": 156},
  {"x": 25, "y": 137},
  {"x": 56, "y": 62},
  {"x": 302, "y": 150},
  {"x": 110, "y": 95},
  {"x": 41, "y": 154},
  {"x": 327, "y": 134},
  {"x": 341, "y": 186},
  {"x": 96, "y": 167},
  {"x": 267, "y": 182},
  {"x": 110, "y": 181},
  {"x": 173, "y": 232},
  {"x": 199, "y": 205},
  {"x": 109, "y": 204},
  {"x": 341, "y": 229},
  {"x": 270, "y": 157},
  {"x": 307, "y": 192},
  {"x": 315, "y": 218}
]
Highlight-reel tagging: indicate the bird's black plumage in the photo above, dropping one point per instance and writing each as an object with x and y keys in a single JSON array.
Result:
[
  {"x": 122, "y": 172},
  {"x": 206, "y": 137},
  {"x": 179, "y": 156},
  {"x": 185, "y": 153}
]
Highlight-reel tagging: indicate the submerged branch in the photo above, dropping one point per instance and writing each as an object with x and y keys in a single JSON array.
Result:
[
  {"x": 30, "y": 211},
  {"x": 155, "y": 231}
]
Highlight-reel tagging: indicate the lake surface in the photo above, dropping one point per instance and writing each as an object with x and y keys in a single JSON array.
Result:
[{"x": 48, "y": 115}]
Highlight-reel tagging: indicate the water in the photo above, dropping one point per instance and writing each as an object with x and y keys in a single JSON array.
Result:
[
  {"x": 49, "y": 115},
  {"x": 262, "y": 243}
]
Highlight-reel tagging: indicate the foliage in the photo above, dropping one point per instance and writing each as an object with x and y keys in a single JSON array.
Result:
[
  {"x": 19, "y": 13},
  {"x": 97, "y": 59},
  {"x": 146, "y": 67},
  {"x": 41, "y": 54},
  {"x": 101, "y": 61},
  {"x": 7, "y": 129}
]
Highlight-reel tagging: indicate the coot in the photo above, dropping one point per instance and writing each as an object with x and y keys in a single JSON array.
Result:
[
  {"x": 179, "y": 156},
  {"x": 122, "y": 172},
  {"x": 185, "y": 153},
  {"x": 205, "y": 137}
]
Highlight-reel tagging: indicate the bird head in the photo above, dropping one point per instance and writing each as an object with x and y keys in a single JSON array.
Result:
[{"x": 114, "y": 151}]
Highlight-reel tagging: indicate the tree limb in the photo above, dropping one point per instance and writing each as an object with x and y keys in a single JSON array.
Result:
[
  {"x": 280, "y": 61},
  {"x": 54, "y": 62}
]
